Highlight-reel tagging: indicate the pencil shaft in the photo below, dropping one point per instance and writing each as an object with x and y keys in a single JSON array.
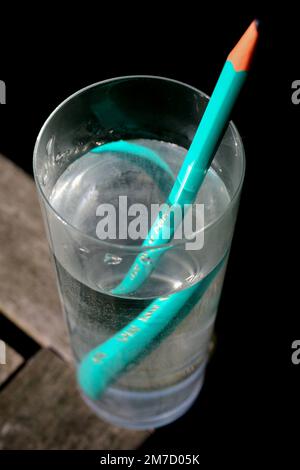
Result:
[{"x": 199, "y": 156}]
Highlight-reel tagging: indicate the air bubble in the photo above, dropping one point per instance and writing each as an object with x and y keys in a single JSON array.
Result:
[
  {"x": 45, "y": 178},
  {"x": 84, "y": 250},
  {"x": 112, "y": 259},
  {"x": 59, "y": 156},
  {"x": 50, "y": 147}
]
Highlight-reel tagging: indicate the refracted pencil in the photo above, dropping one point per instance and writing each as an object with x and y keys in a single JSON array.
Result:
[{"x": 105, "y": 362}]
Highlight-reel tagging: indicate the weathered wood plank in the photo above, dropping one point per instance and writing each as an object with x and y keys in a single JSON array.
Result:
[
  {"x": 13, "y": 361},
  {"x": 28, "y": 294},
  {"x": 42, "y": 409}
]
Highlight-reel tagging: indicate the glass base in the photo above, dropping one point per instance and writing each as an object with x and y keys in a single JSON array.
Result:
[{"x": 148, "y": 410}]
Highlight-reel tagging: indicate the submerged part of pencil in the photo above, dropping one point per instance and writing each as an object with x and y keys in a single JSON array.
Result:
[{"x": 103, "y": 364}]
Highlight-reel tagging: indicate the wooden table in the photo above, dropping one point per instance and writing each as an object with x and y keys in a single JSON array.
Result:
[{"x": 40, "y": 407}]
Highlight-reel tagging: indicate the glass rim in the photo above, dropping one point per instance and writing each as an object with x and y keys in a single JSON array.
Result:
[{"x": 140, "y": 247}]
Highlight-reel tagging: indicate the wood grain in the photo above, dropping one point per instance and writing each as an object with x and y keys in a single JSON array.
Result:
[
  {"x": 13, "y": 361},
  {"x": 42, "y": 409},
  {"x": 28, "y": 293}
]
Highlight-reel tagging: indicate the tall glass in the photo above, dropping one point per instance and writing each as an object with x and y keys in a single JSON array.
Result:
[{"x": 162, "y": 114}]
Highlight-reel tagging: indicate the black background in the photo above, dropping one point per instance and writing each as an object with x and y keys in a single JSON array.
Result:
[{"x": 248, "y": 410}]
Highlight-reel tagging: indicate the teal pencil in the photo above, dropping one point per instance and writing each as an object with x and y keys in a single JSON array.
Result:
[
  {"x": 198, "y": 158},
  {"x": 103, "y": 364}
]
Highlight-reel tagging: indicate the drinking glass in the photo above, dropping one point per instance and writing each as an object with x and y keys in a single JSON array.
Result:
[{"x": 162, "y": 114}]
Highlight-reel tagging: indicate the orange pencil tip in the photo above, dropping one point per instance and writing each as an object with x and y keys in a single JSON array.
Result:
[{"x": 241, "y": 55}]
